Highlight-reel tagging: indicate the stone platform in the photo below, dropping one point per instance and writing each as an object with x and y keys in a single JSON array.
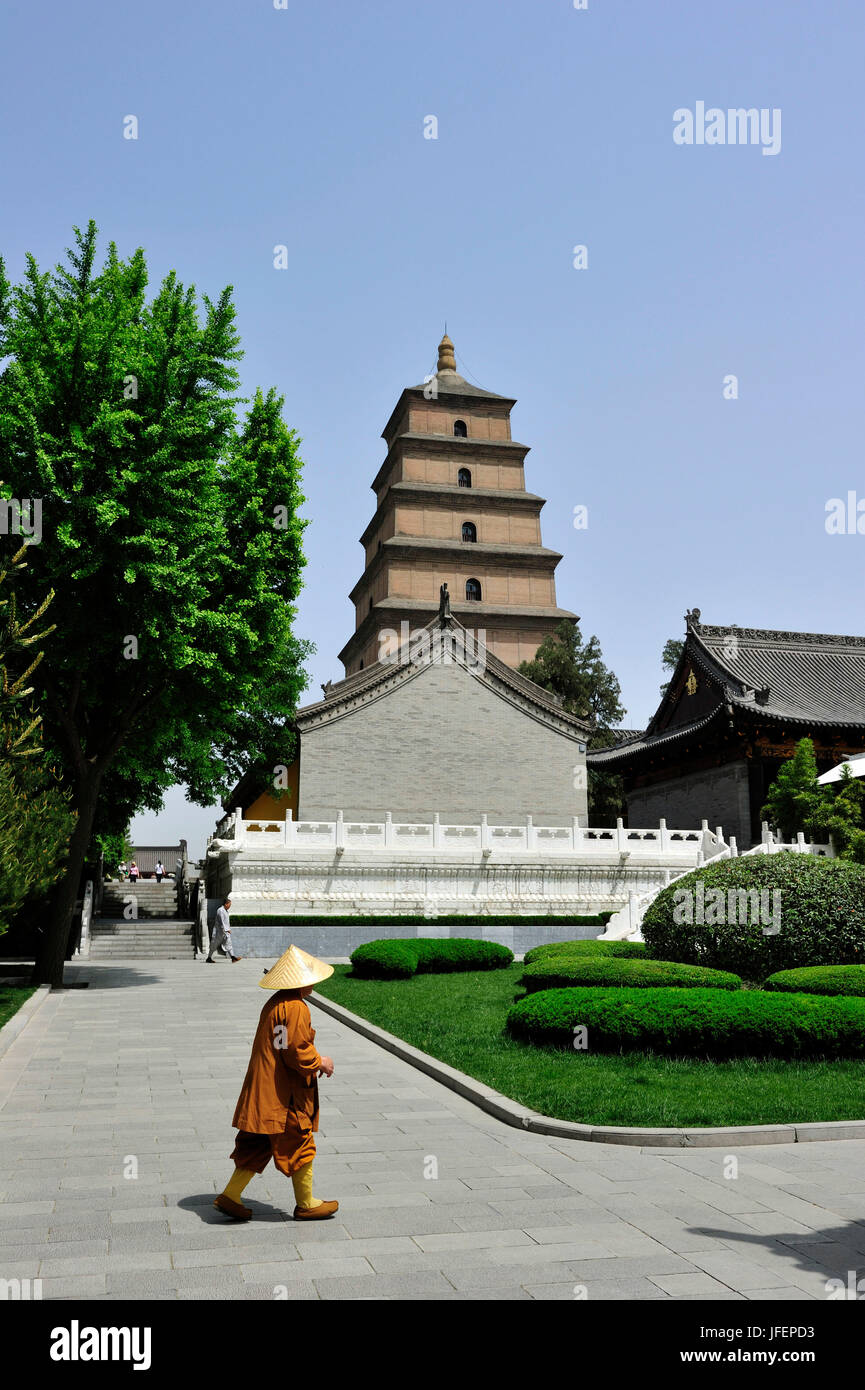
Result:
[{"x": 332, "y": 941}]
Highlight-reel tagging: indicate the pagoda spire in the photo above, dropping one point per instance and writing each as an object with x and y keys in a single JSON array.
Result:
[{"x": 447, "y": 358}]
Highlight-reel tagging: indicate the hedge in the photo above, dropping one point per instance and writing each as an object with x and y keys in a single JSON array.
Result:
[
  {"x": 581, "y": 949},
  {"x": 398, "y": 959},
  {"x": 638, "y": 974},
  {"x": 707, "y": 1023},
  {"x": 820, "y": 979},
  {"x": 820, "y": 917}
]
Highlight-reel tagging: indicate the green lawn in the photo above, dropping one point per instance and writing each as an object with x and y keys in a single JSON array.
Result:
[
  {"x": 11, "y": 999},
  {"x": 460, "y": 1018}
]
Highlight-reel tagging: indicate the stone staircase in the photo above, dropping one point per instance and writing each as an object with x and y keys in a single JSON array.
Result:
[
  {"x": 147, "y": 939},
  {"x": 154, "y": 933},
  {"x": 152, "y": 899}
]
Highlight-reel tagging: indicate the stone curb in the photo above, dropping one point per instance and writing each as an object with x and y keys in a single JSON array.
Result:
[
  {"x": 521, "y": 1117},
  {"x": 18, "y": 1022}
]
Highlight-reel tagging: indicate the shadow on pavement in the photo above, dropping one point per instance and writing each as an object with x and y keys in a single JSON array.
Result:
[
  {"x": 203, "y": 1207},
  {"x": 838, "y": 1253},
  {"x": 107, "y": 976}
]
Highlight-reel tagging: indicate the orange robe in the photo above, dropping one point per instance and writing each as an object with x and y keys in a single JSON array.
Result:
[{"x": 279, "y": 1096}]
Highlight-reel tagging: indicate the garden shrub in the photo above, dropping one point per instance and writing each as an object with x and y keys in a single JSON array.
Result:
[
  {"x": 820, "y": 918},
  {"x": 563, "y": 972},
  {"x": 398, "y": 959},
  {"x": 385, "y": 960},
  {"x": 579, "y": 950},
  {"x": 707, "y": 1023},
  {"x": 820, "y": 979}
]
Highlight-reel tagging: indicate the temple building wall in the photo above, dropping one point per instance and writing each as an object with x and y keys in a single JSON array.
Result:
[
  {"x": 719, "y": 795},
  {"x": 441, "y": 742}
]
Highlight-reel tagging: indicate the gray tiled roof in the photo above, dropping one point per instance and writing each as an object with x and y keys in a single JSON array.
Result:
[
  {"x": 805, "y": 678},
  {"x": 813, "y": 677}
]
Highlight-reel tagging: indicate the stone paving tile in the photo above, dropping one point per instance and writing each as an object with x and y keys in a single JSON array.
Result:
[
  {"x": 511, "y": 1216},
  {"x": 787, "y": 1294},
  {"x": 410, "y": 1283},
  {"x": 695, "y": 1285}
]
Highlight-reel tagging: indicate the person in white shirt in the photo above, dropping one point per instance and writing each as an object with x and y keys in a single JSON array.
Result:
[
  {"x": 159, "y": 871},
  {"x": 222, "y": 933}
]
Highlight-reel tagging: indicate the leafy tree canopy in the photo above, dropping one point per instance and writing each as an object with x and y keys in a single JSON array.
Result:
[
  {"x": 673, "y": 648},
  {"x": 35, "y": 819},
  {"x": 836, "y": 811},
  {"x": 170, "y": 535}
]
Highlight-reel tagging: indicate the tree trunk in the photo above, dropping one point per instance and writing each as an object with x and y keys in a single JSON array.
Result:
[{"x": 51, "y": 955}]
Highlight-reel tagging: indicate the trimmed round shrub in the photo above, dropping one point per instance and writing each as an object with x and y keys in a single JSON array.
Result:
[
  {"x": 707, "y": 1023},
  {"x": 637, "y": 974},
  {"x": 761, "y": 914},
  {"x": 398, "y": 959},
  {"x": 384, "y": 960},
  {"x": 580, "y": 950},
  {"x": 820, "y": 979}
]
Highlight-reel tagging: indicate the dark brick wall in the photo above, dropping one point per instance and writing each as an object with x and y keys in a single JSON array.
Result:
[{"x": 719, "y": 795}]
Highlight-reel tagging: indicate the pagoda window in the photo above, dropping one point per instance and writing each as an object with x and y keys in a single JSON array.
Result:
[
  {"x": 464, "y": 477},
  {"x": 470, "y": 531},
  {"x": 473, "y": 590},
  {"x": 460, "y": 429}
]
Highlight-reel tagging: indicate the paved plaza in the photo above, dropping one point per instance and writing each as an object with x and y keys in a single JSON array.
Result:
[{"x": 115, "y": 1131}]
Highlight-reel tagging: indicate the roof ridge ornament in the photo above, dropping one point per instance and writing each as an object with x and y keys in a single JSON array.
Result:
[
  {"x": 444, "y": 613},
  {"x": 692, "y": 618}
]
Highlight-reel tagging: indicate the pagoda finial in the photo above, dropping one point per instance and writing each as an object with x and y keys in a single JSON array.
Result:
[{"x": 447, "y": 358}]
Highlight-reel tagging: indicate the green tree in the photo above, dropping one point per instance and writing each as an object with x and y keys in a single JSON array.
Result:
[
  {"x": 170, "y": 536},
  {"x": 575, "y": 671},
  {"x": 794, "y": 797},
  {"x": 673, "y": 648},
  {"x": 116, "y": 849},
  {"x": 840, "y": 816},
  {"x": 35, "y": 820}
]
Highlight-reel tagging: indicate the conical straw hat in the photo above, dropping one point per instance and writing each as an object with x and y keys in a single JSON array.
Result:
[{"x": 295, "y": 969}]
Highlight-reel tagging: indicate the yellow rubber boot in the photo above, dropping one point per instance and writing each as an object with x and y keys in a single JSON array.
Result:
[{"x": 301, "y": 1181}]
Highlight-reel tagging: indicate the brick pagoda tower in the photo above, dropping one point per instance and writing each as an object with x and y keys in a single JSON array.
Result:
[{"x": 452, "y": 507}]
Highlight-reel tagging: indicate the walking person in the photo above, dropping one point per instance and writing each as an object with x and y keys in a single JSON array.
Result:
[
  {"x": 222, "y": 933},
  {"x": 277, "y": 1112},
  {"x": 133, "y": 872},
  {"x": 159, "y": 871}
]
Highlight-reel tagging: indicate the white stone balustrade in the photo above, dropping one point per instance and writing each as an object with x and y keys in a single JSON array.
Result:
[{"x": 415, "y": 838}]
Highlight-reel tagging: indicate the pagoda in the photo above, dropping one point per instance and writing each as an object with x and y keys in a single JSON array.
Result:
[{"x": 452, "y": 508}]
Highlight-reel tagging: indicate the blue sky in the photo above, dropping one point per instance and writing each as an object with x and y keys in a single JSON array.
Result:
[{"x": 304, "y": 127}]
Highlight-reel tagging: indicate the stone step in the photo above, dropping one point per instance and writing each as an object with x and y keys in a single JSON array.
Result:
[{"x": 164, "y": 940}]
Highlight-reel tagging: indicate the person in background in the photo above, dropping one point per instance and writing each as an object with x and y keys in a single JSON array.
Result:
[
  {"x": 222, "y": 933},
  {"x": 122, "y": 871},
  {"x": 134, "y": 872},
  {"x": 159, "y": 871}
]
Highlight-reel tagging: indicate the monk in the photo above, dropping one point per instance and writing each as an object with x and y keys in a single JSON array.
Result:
[{"x": 277, "y": 1112}]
